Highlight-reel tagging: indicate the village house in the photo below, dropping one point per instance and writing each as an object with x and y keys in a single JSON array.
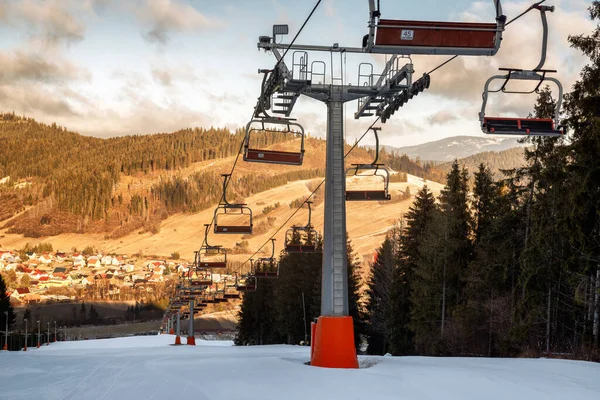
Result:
[
  {"x": 182, "y": 268},
  {"x": 93, "y": 262},
  {"x": 60, "y": 256},
  {"x": 9, "y": 257},
  {"x": 37, "y": 274},
  {"x": 11, "y": 266},
  {"x": 60, "y": 272},
  {"x": 79, "y": 263},
  {"x": 45, "y": 258},
  {"x": 154, "y": 265},
  {"x": 106, "y": 260},
  {"x": 156, "y": 278},
  {"x": 19, "y": 294}
]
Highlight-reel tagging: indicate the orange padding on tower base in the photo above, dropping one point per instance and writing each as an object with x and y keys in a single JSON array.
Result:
[
  {"x": 334, "y": 343},
  {"x": 191, "y": 340},
  {"x": 171, "y": 331},
  {"x": 177, "y": 340}
]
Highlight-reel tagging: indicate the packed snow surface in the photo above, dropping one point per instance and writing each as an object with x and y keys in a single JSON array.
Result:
[{"x": 148, "y": 367}]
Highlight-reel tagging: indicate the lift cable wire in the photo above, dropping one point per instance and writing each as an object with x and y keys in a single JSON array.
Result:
[
  {"x": 356, "y": 144},
  {"x": 242, "y": 144},
  {"x": 509, "y": 22},
  {"x": 297, "y": 34},
  {"x": 305, "y": 201}
]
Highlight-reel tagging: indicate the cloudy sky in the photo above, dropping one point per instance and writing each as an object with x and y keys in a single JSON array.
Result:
[{"x": 117, "y": 67}]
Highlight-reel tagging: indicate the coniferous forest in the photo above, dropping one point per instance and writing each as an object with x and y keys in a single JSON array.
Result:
[{"x": 497, "y": 266}]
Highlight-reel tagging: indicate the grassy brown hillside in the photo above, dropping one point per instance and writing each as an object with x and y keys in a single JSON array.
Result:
[
  {"x": 152, "y": 206},
  {"x": 54, "y": 181}
]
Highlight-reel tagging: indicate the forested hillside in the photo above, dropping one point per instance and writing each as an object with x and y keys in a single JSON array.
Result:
[
  {"x": 55, "y": 181},
  {"x": 69, "y": 182},
  {"x": 496, "y": 161}
]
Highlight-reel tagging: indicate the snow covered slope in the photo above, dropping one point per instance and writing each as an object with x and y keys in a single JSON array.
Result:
[{"x": 149, "y": 368}]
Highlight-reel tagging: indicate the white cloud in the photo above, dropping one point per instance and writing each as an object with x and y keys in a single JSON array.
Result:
[
  {"x": 464, "y": 78},
  {"x": 162, "y": 17},
  {"x": 51, "y": 22}
]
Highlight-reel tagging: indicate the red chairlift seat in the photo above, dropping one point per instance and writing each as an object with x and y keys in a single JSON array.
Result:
[
  {"x": 434, "y": 37},
  {"x": 253, "y": 154},
  {"x": 521, "y": 126},
  {"x": 233, "y": 229},
  {"x": 273, "y": 156}
]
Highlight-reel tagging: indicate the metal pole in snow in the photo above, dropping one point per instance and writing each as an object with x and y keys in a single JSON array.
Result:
[
  {"x": 191, "y": 322},
  {"x": 6, "y": 331},
  {"x": 304, "y": 311}
]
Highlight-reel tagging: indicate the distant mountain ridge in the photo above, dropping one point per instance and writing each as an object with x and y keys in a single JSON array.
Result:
[{"x": 448, "y": 149}]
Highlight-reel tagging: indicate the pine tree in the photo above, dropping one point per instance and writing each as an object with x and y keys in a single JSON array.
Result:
[
  {"x": 5, "y": 306},
  {"x": 485, "y": 193},
  {"x": 444, "y": 252},
  {"x": 417, "y": 221},
  {"x": 380, "y": 303},
  {"x": 583, "y": 108},
  {"x": 355, "y": 309},
  {"x": 298, "y": 289}
]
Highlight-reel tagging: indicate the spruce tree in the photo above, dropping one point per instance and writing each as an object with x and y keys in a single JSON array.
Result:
[
  {"x": 298, "y": 289},
  {"x": 379, "y": 307},
  {"x": 355, "y": 308},
  {"x": 5, "y": 306},
  {"x": 583, "y": 108}
]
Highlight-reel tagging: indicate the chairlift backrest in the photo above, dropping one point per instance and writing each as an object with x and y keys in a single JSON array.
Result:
[
  {"x": 256, "y": 127},
  {"x": 403, "y": 37},
  {"x": 226, "y": 208},
  {"x": 366, "y": 195}
]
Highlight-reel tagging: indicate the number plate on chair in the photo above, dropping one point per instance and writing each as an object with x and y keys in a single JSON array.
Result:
[{"x": 407, "y": 34}]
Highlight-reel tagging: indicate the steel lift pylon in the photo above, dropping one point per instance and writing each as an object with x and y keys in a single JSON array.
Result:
[{"x": 334, "y": 332}]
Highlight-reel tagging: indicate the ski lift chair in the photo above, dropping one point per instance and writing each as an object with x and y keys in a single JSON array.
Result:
[
  {"x": 388, "y": 36},
  {"x": 302, "y": 239},
  {"x": 267, "y": 267},
  {"x": 225, "y": 208},
  {"x": 258, "y": 127},
  {"x": 249, "y": 284},
  {"x": 370, "y": 195},
  {"x": 210, "y": 257},
  {"x": 525, "y": 126}
]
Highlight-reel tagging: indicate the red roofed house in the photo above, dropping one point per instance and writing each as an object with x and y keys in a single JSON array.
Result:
[
  {"x": 20, "y": 293},
  {"x": 93, "y": 262}
]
